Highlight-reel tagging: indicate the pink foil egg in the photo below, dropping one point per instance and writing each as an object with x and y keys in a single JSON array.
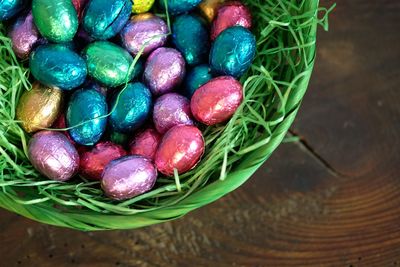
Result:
[
  {"x": 164, "y": 70},
  {"x": 181, "y": 148},
  {"x": 144, "y": 31},
  {"x": 145, "y": 143},
  {"x": 217, "y": 100},
  {"x": 24, "y": 36},
  {"x": 228, "y": 15},
  {"x": 170, "y": 110},
  {"x": 53, "y": 155},
  {"x": 128, "y": 177},
  {"x": 93, "y": 162}
]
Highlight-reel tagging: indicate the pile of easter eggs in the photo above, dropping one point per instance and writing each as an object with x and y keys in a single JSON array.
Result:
[{"x": 118, "y": 94}]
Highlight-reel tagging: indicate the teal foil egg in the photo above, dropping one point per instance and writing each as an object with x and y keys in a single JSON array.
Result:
[
  {"x": 57, "y": 20},
  {"x": 179, "y": 6},
  {"x": 103, "y": 19},
  {"x": 10, "y": 8},
  {"x": 191, "y": 38},
  {"x": 109, "y": 64},
  {"x": 195, "y": 78},
  {"x": 57, "y": 65},
  {"x": 84, "y": 107},
  {"x": 233, "y": 52},
  {"x": 131, "y": 108}
]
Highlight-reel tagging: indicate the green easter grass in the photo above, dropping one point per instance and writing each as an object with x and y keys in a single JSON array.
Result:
[{"x": 273, "y": 88}]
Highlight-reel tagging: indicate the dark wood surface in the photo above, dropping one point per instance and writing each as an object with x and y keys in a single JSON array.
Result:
[{"x": 332, "y": 199}]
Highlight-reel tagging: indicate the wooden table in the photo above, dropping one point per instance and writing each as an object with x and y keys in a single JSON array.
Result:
[{"x": 332, "y": 199}]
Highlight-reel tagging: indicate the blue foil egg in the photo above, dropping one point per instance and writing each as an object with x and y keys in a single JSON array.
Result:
[
  {"x": 103, "y": 19},
  {"x": 130, "y": 108},
  {"x": 10, "y": 8},
  {"x": 191, "y": 38},
  {"x": 86, "y": 106},
  {"x": 196, "y": 77},
  {"x": 57, "y": 65},
  {"x": 179, "y": 6},
  {"x": 233, "y": 52}
]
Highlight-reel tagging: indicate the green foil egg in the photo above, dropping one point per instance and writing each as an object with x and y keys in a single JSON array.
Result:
[
  {"x": 109, "y": 64},
  {"x": 86, "y": 106},
  {"x": 179, "y": 6},
  {"x": 195, "y": 78},
  {"x": 57, "y": 65},
  {"x": 10, "y": 8},
  {"x": 103, "y": 19},
  {"x": 233, "y": 52},
  {"x": 191, "y": 38},
  {"x": 131, "y": 108},
  {"x": 57, "y": 20}
]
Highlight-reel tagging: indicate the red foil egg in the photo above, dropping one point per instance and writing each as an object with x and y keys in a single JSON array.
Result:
[
  {"x": 93, "y": 162},
  {"x": 79, "y": 7},
  {"x": 145, "y": 143},
  {"x": 181, "y": 148},
  {"x": 228, "y": 15},
  {"x": 217, "y": 100}
]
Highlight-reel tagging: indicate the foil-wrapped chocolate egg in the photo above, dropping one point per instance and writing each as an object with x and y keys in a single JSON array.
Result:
[
  {"x": 119, "y": 138},
  {"x": 233, "y": 52},
  {"x": 142, "y": 6},
  {"x": 94, "y": 161},
  {"x": 24, "y": 36},
  {"x": 57, "y": 65},
  {"x": 84, "y": 110},
  {"x": 53, "y": 155},
  {"x": 195, "y": 78},
  {"x": 79, "y": 7},
  {"x": 190, "y": 37},
  {"x": 217, "y": 100},
  {"x": 230, "y": 14},
  {"x": 130, "y": 108},
  {"x": 164, "y": 70},
  {"x": 144, "y": 31},
  {"x": 209, "y": 8},
  {"x": 181, "y": 148},
  {"x": 170, "y": 110},
  {"x": 57, "y": 20},
  {"x": 10, "y": 8},
  {"x": 128, "y": 177},
  {"x": 109, "y": 64},
  {"x": 104, "y": 19},
  {"x": 39, "y": 107},
  {"x": 145, "y": 143},
  {"x": 178, "y": 6}
]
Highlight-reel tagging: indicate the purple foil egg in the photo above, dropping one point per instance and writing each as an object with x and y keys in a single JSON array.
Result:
[
  {"x": 145, "y": 143},
  {"x": 53, "y": 155},
  {"x": 164, "y": 70},
  {"x": 144, "y": 31},
  {"x": 170, "y": 110},
  {"x": 24, "y": 36},
  {"x": 128, "y": 177}
]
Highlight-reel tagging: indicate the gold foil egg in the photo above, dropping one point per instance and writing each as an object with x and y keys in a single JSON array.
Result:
[
  {"x": 142, "y": 6},
  {"x": 39, "y": 107},
  {"x": 208, "y": 8}
]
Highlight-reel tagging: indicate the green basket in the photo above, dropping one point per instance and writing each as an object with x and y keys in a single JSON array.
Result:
[{"x": 274, "y": 87}]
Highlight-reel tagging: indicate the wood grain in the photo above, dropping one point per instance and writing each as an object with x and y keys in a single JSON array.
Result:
[{"x": 330, "y": 200}]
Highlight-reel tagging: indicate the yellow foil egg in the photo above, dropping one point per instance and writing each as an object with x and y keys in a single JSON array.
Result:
[
  {"x": 142, "y": 6},
  {"x": 39, "y": 107},
  {"x": 208, "y": 8}
]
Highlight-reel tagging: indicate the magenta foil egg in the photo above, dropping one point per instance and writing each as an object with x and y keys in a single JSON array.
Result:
[
  {"x": 170, "y": 110},
  {"x": 145, "y": 143},
  {"x": 181, "y": 148},
  {"x": 164, "y": 70},
  {"x": 53, "y": 155},
  {"x": 228, "y": 15},
  {"x": 128, "y": 177},
  {"x": 217, "y": 100},
  {"x": 24, "y": 36},
  {"x": 144, "y": 31}
]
